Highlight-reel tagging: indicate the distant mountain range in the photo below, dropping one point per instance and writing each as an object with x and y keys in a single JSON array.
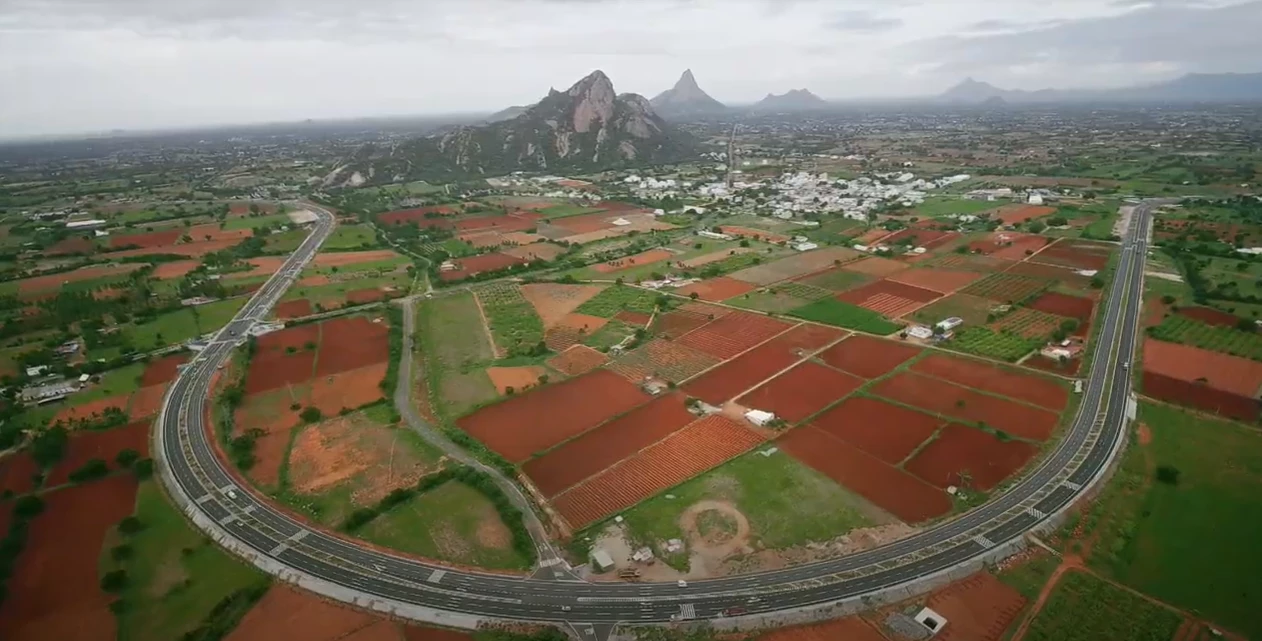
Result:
[
  {"x": 686, "y": 99},
  {"x": 1219, "y": 87},
  {"x": 795, "y": 100}
]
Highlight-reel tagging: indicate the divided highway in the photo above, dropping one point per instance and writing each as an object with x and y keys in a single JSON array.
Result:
[{"x": 280, "y": 544}]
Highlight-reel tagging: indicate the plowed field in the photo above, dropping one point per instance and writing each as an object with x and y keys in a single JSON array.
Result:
[
  {"x": 162, "y": 370},
  {"x": 349, "y": 390},
  {"x": 662, "y": 359},
  {"x": 1199, "y": 396},
  {"x": 147, "y": 240},
  {"x": 968, "y": 457},
  {"x": 1027, "y": 323},
  {"x": 1006, "y": 288},
  {"x": 1209, "y": 316},
  {"x": 1077, "y": 255},
  {"x": 274, "y": 370},
  {"x": 717, "y": 289},
  {"x": 553, "y": 302},
  {"x": 1232, "y": 374},
  {"x": 890, "y": 488},
  {"x": 794, "y": 266},
  {"x": 349, "y": 343},
  {"x": 104, "y": 445},
  {"x": 1036, "y": 390},
  {"x": 690, "y": 451},
  {"x": 529, "y": 423},
  {"x": 643, "y": 258},
  {"x": 979, "y": 608},
  {"x": 952, "y": 400},
  {"x": 1020, "y": 213},
  {"x": 146, "y": 402},
  {"x": 576, "y": 360},
  {"x": 175, "y": 269},
  {"x": 17, "y": 473},
  {"x": 732, "y": 334},
  {"x": 875, "y": 266},
  {"x": 342, "y": 259},
  {"x": 801, "y": 391},
  {"x": 868, "y": 357},
  {"x": 722, "y": 383},
  {"x": 91, "y": 410},
  {"x": 677, "y": 323},
  {"x": 890, "y": 298},
  {"x": 888, "y": 432},
  {"x": 939, "y": 280},
  {"x": 848, "y": 629},
  {"x": 601, "y": 448},
  {"x": 55, "y": 281},
  {"x": 1063, "y": 305},
  {"x": 294, "y": 309}
]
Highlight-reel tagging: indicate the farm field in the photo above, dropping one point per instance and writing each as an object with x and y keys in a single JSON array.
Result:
[
  {"x": 983, "y": 341},
  {"x": 1084, "y": 608},
  {"x": 886, "y": 431},
  {"x": 732, "y": 334},
  {"x": 1032, "y": 389},
  {"x": 831, "y": 311},
  {"x": 1182, "y": 535},
  {"x": 1202, "y": 379},
  {"x": 794, "y": 266},
  {"x": 181, "y": 325},
  {"x": 454, "y": 343},
  {"x": 614, "y": 299},
  {"x": 973, "y": 310},
  {"x": 1178, "y": 328},
  {"x": 835, "y": 280},
  {"x": 1030, "y": 324},
  {"x": 800, "y": 392},
  {"x": 868, "y": 357},
  {"x": 889, "y": 298},
  {"x": 948, "y": 399},
  {"x": 717, "y": 289},
  {"x": 735, "y": 376},
  {"x": 512, "y": 320},
  {"x": 663, "y": 359},
  {"x": 1007, "y": 288}
]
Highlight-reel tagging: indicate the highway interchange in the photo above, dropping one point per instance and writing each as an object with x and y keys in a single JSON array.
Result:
[{"x": 197, "y": 477}]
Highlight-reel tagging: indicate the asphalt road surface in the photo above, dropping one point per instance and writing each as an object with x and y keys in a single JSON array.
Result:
[{"x": 188, "y": 457}]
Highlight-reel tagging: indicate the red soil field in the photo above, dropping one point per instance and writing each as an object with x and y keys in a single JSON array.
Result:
[
  {"x": 17, "y": 473},
  {"x": 848, "y": 629},
  {"x": 272, "y": 415},
  {"x": 576, "y": 360},
  {"x": 732, "y": 334},
  {"x": 722, "y": 383},
  {"x": 637, "y": 319},
  {"x": 343, "y": 259},
  {"x": 891, "y": 489},
  {"x": 1065, "y": 275},
  {"x": 72, "y": 245},
  {"x": 708, "y": 311},
  {"x": 801, "y": 391},
  {"x": 944, "y": 398},
  {"x": 294, "y": 309},
  {"x": 875, "y": 266},
  {"x": 888, "y": 432},
  {"x": 717, "y": 289},
  {"x": 585, "y": 324},
  {"x": 175, "y": 269},
  {"x": 1076, "y": 256},
  {"x": 274, "y": 370},
  {"x": 922, "y": 237},
  {"x": 1209, "y": 316},
  {"x": 195, "y": 249},
  {"x": 750, "y": 232},
  {"x": 553, "y": 301},
  {"x": 211, "y": 232},
  {"x": 1007, "y": 288},
  {"x": 520, "y": 221},
  {"x": 55, "y": 592},
  {"x": 696, "y": 448},
  {"x": 1020, "y": 214},
  {"x": 105, "y": 445},
  {"x": 663, "y": 359},
  {"x": 517, "y": 379},
  {"x": 1201, "y": 396},
  {"x": 146, "y": 402},
  {"x": 350, "y": 389},
  {"x": 862, "y": 294},
  {"x": 1035, "y": 390},
  {"x": 938, "y": 280},
  {"x": 362, "y": 296},
  {"x": 529, "y": 423},
  {"x": 296, "y": 337},
  {"x": 285, "y": 613},
  {"x": 979, "y": 608},
  {"x": 474, "y": 265},
  {"x": 418, "y": 215},
  {"x": 55, "y": 281},
  {"x": 868, "y": 357},
  {"x": 643, "y": 258},
  {"x": 147, "y": 240},
  {"x": 1224, "y": 372},
  {"x": 961, "y": 450},
  {"x": 351, "y": 343},
  {"x": 1021, "y": 247},
  {"x": 163, "y": 369},
  {"x": 601, "y": 448},
  {"x": 1068, "y": 306},
  {"x": 91, "y": 409},
  {"x": 1045, "y": 364},
  {"x": 677, "y": 323}
]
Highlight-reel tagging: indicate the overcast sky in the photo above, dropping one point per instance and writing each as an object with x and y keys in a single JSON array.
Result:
[{"x": 94, "y": 65}]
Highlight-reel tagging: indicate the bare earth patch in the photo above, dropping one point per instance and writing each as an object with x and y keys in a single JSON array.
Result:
[
  {"x": 553, "y": 302},
  {"x": 515, "y": 378},
  {"x": 351, "y": 449}
]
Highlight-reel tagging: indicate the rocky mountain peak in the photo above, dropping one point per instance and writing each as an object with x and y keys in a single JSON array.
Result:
[
  {"x": 594, "y": 101},
  {"x": 686, "y": 98}
]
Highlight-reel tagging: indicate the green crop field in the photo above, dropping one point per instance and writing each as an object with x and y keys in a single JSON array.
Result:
[
  {"x": 1176, "y": 328},
  {"x": 1084, "y": 608},
  {"x": 350, "y": 237},
  {"x": 938, "y": 207},
  {"x": 613, "y": 333},
  {"x": 831, "y": 311},
  {"x": 1190, "y": 540},
  {"x": 774, "y": 299},
  {"x": 984, "y": 342},
  {"x": 176, "y": 576},
  {"x": 566, "y": 210},
  {"x": 617, "y": 298},
  {"x": 455, "y": 344},
  {"x": 513, "y": 321},
  {"x": 285, "y": 242},
  {"x": 836, "y": 280},
  {"x": 786, "y": 503},
  {"x": 115, "y": 382},
  {"x": 252, "y": 222}
]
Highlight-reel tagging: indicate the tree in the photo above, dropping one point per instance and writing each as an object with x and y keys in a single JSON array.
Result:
[
  {"x": 1168, "y": 474},
  {"x": 49, "y": 446},
  {"x": 28, "y": 507},
  {"x": 310, "y": 414},
  {"x": 1167, "y": 299},
  {"x": 130, "y": 525},
  {"x": 114, "y": 581},
  {"x": 143, "y": 468}
]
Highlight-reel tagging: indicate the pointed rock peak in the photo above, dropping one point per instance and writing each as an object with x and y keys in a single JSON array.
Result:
[{"x": 686, "y": 80}]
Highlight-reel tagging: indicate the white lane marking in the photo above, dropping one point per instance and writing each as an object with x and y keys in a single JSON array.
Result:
[
  {"x": 249, "y": 508},
  {"x": 279, "y": 548},
  {"x": 228, "y": 519},
  {"x": 205, "y": 498},
  {"x": 1035, "y": 512},
  {"x": 981, "y": 540},
  {"x": 687, "y": 611},
  {"x": 1071, "y": 485},
  {"x": 299, "y": 535},
  {"x": 436, "y": 576}
]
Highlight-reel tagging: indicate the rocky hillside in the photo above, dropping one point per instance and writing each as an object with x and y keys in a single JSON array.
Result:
[
  {"x": 796, "y": 100},
  {"x": 686, "y": 99}
]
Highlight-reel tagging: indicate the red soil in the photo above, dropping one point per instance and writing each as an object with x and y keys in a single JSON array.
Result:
[
  {"x": 296, "y": 337},
  {"x": 801, "y": 391},
  {"x": 516, "y": 379},
  {"x": 717, "y": 289},
  {"x": 350, "y": 389},
  {"x": 529, "y": 423},
  {"x": 195, "y": 249},
  {"x": 55, "y": 592},
  {"x": 274, "y": 370},
  {"x": 1020, "y": 214},
  {"x": 147, "y": 240},
  {"x": 875, "y": 266},
  {"x": 722, "y": 383},
  {"x": 1077, "y": 256},
  {"x": 979, "y": 608},
  {"x": 888, "y": 432},
  {"x": 17, "y": 473},
  {"x": 638, "y": 319},
  {"x": 939, "y": 280},
  {"x": 576, "y": 360},
  {"x": 474, "y": 265},
  {"x": 55, "y": 281},
  {"x": 1224, "y": 372},
  {"x": 890, "y": 298},
  {"x": 349, "y": 343},
  {"x": 891, "y": 489},
  {"x": 146, "y": 401},
  {"x": 664, "y": 360},
  {"x": 1063, "y": 305},
  {"x": 72, "y": 245},
  {"x": 343, "y": 259},
  {"x": 944, "y": 398},
  {"x": 690, "y": 451},
  {"x": 175, "y": 269},
  {"x": 1036, "y": 390},
  {"x": 362, "y": 296},
  {"x": 961, "y": 450},
  {"x": 294, "y": 309},
  {"x": 733, "y": 334},
  {"x": 1201, "y": 396},
  {"x": 601, "y": 448},
  {"x": 1045, "y": 364},
  {"x": 554, "y": 301},
  {"x": 163, "y": 369},
  {"x": 677, "y": 323},
  {"x": 920, "y": 237},
  {"x": 285, "y": 613},
  {"x": 105, "y": 445},
  {"x": 848, "y": 629},
  {"x": 749, "y": 232},
  {"x": 1209, "y": 316},
  {"x": 643, "y": 258},
  {"x": 91, "y": 409},
  {"x": 868, "y": 357},
  {"x": 418, "y": 215}
]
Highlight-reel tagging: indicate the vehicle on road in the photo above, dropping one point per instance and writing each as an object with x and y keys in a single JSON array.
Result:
[{"x": 682, "y": 583}]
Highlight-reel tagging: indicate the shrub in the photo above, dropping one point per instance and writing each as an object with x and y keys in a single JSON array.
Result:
[
  {"x": 126, "y": 458},
  {"x": 114, "y": 581},
  {"x": 310, "y": 414},
  {"x": 130, "y": 525},
  {"x": 1168, "y": 474},
  {"x": 93, "y": 469},
  {"x": 143, "y": 468},
  {"x": 28, "y": 507}
]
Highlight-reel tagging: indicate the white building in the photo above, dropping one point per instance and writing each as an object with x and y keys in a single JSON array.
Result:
[
  {"x": 86, "y": 224},
  {"x": 601, "y": 560},
  {"x": 805, "y": 247},
  {"x": 705, "y": 233},
  {"x": 950, "y": 323},
  {"x": 759, "y": 417},
  {"x": 920, "y": 332}
]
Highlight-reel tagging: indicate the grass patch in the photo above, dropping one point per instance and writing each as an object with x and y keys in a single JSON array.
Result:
[
  {"x": 772, "y": 299},
  {"x": 831, "y": 311},
  {"x": 181, "y": 325},
  {"x": 1084, "y": 608},
  {"x": 613, "y": 333},
  {"x": 454, "y": 344},
  {"x": 1029, "y": 578},
  {"x": 837, "y": 280},
  {"x": 351, "y": 237},
  {"x": 254, "y": 222},
  {"x": 123, "y": 380},
  {"x": 617, "y": 298},
  {"x": 565, "y": 210},
  {"x": 176, "y": 575},
  {"x": 991, "y": 344}
]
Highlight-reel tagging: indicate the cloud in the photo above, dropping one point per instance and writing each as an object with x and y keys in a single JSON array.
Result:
[{"x": 863, "y": 22}]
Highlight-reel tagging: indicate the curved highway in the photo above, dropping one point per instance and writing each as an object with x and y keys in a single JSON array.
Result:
[{"x": 283, "y": 545}]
